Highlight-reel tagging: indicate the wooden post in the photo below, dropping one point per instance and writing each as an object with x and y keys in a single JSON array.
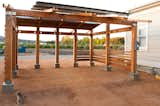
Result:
[
  {"x": 91, "y": 49},
  {"x": 14, "y": 71},
  {"x": 75, "y": 64},
  {"x": 107, "y": 47},
  {"x": 134, "y": 74},
  {"x": 57, "y": 65},
  {"x": 7, "y": 86},
  {"x": 37, "y": 65},
  {"x": 17, "y": 50}
]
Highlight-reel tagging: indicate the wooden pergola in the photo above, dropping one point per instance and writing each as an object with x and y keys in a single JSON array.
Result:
[{"x": 53, "y": 19}]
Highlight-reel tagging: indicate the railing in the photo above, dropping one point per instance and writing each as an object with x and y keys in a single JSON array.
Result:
[
  {"x": 117, "y": 58},
  {"x": 83, "y": 55}
]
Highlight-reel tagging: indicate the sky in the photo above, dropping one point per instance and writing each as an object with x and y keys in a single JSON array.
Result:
[{"x": 116, "y": 5}]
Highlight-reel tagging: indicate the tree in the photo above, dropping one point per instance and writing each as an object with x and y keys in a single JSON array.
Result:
[{"x": 66, "y": 40}]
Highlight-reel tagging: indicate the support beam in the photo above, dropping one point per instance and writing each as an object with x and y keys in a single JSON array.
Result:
[
  {"x": 7, "y": 86},
  {"x": 37, "y": 65},
  {"x": 134, "y": 74},
  {"x": 121, "y": 30},
  {"x": 75, "y": 64},
  {"x": 114, "y": 31},
  {"x": 91, "y": 49},
  {"x": 107, "y": 47},
  {"x": 17, "y": 50},
  {"x": 14, "y": 71},
  {"x": 51, "y": 33},
  {"x": 57, "y": 65}
]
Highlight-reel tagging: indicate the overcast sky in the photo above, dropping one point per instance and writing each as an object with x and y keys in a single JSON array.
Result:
[{"x": 116, "y": 5}]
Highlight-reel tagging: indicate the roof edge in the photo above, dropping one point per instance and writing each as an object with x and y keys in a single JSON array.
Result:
[
  {"x": 144, "y": 7},
  {"x": 80, "y": 8}
]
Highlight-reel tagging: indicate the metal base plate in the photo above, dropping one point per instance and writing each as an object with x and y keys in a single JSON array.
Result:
[
  {"x": 7, "y": 87},
  {"x": 92, "y": 64},
  {"x": 75, "y": 64},
  {"x": 57, "y": 65},
  {"x": 134, "y": 76},
  {"x": 37, "y": 66}
]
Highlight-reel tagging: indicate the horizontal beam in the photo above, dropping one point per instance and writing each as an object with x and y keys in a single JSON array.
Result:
[
  {"x": 52, "y": 33},
  {"x": 69, "y": 17},
  {"x": 120, "y": 30},
  {"x": 139, "y": 20},
  {"x": 99, "y": 33},
  {"x": 114, "y": 31}
]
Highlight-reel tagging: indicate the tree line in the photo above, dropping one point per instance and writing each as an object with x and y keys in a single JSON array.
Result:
[{"x": 67, "y": 42}]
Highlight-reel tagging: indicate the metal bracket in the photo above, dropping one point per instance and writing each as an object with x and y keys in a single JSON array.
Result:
[{"x": 10, "y": 13}]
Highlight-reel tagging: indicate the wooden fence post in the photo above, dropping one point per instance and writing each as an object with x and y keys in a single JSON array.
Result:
[
  {"x": 14, "y": 71},
  {"x": 37, "y": 65},
  {"x": 17, "y": 50},
  {"x": 91, "y": 49},
  {"x": 57, "y": 65},
  {"x": 75, "y": 64},
  {"x": 134, "y": 74},
  {"x": 7, "y": 86},
  {"x": 107, "y": 47}
]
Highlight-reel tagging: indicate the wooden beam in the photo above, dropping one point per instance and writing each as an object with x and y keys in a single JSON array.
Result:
[
  {"x": 17, "y": 50},
  {"x": 77, "y": 26},
  {"x": 114, "y": 31},
  {"x": 10, "y": 13},
  {"x": 75, "y": 64},
  {"x": 67, "y": 17},
  {"x": 121, "y": 30},
  {"x": 14, "y": 72},
  {"x": 139, "y": 20},
  {"x": 14, "y": 38},
  {"x": 107, "y": 47},
  {"x": 37, "y": 65},
  {"x": 99, "y": 33},
  {"x": 134, "y": 74},
  {"x": 60, "y": 23},
  {"x": 27, "y": 31},
  {"x": 91, "y": 48},
  {"x": 79, "y": 34},
  {"x": 133, "y": 49},
  {"x": 8, "y": 49},
  {"x": 57, "y": 65},
  {"x": 52, "y": 33}
]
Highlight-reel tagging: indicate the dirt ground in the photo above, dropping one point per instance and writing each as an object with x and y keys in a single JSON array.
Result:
[{"x": 82, "y": 86}]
